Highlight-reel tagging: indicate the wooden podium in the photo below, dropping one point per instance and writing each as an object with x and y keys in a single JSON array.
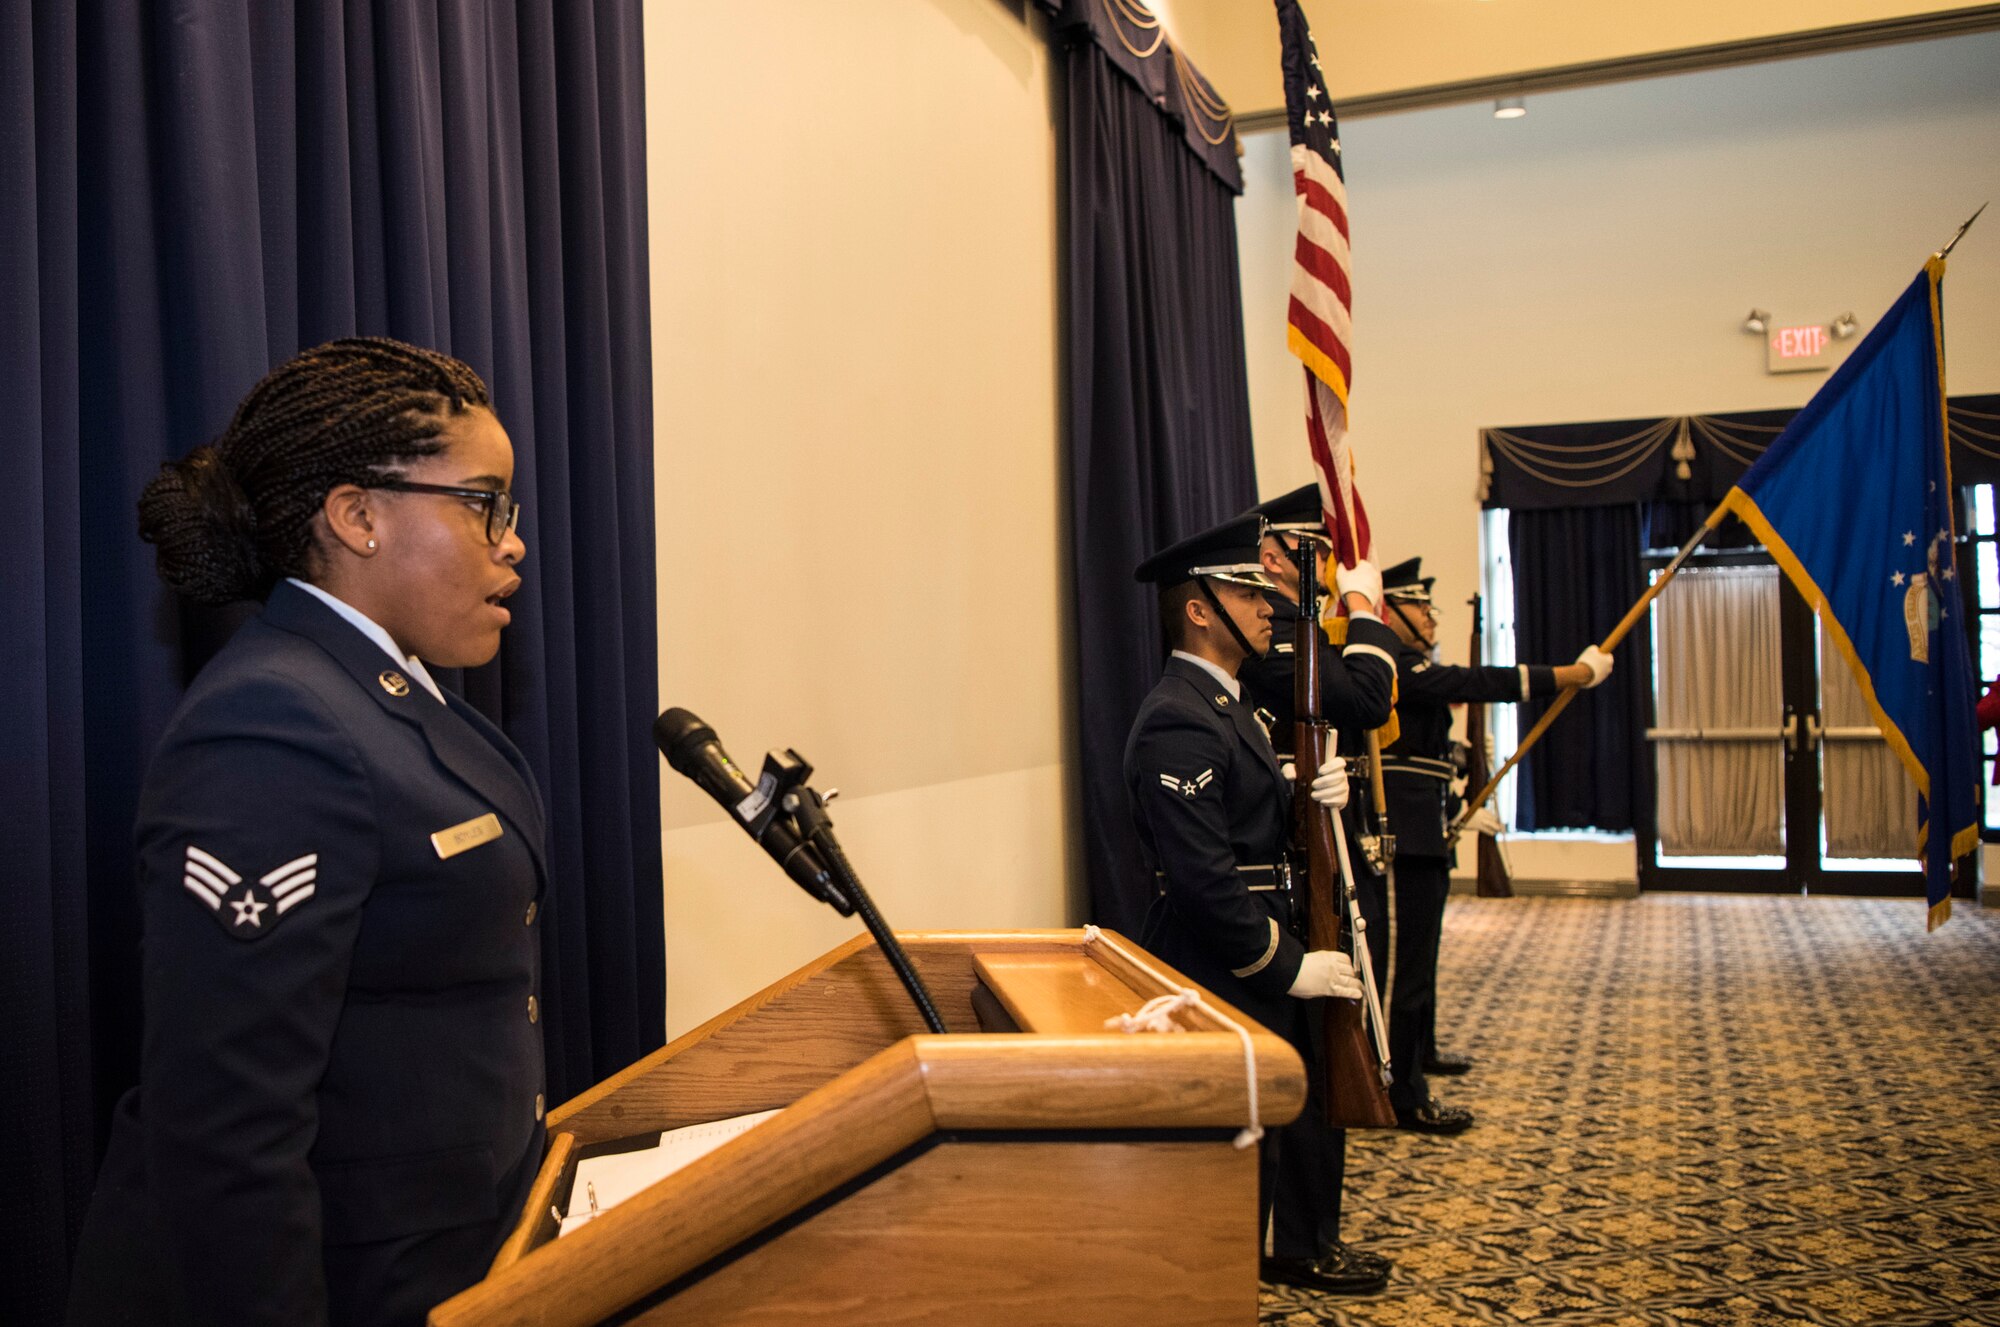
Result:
[{"x": 1031, "y": 1167}]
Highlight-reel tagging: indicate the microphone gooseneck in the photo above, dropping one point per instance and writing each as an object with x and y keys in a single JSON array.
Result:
[
  {"x": 693, "y": 749},
  {"x": 789, "y": 819}
]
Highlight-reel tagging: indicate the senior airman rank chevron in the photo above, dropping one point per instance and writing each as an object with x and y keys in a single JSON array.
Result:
[
  {"x": 1187, "y": 787},
  {"x": 240, "y": 906}
]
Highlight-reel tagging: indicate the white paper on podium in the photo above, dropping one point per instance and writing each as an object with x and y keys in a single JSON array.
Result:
[{"x": 613, "y": 1178}]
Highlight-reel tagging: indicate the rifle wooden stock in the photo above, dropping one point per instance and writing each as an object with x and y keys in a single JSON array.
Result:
[
  {"x": 1495, "y": 880},
  {"x": 1353, "y": 1095}
]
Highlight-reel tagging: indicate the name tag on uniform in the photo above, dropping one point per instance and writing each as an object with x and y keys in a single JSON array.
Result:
[{"x": 453, "y": 841}]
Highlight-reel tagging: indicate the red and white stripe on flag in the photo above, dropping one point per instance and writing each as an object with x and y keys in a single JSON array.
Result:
[
  {"x": 1319, "y": 315},
  {"x": 1333, "y": 462}
]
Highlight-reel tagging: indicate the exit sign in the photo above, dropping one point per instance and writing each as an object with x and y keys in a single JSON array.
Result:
[{"x": 1797, "y": 349}]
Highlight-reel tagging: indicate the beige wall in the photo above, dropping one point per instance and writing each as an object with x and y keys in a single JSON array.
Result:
[
  {"x": 853, "y": 284},
  {"x": 1374, "y": 46},
  {"x": 1594, "y": 259}
]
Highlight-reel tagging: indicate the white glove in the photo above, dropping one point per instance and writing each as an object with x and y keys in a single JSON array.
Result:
[
  {"x": 1491, "y": 761},
  {"x": 1326, "y": 972},
  {"x": 1330, "y": 784},
  {"x": 1289, "y": 770},
  {"x": 1362, "y": 578},
  {"x": 1483, "y": 821},
  {"x": 1598, "y": 662}
]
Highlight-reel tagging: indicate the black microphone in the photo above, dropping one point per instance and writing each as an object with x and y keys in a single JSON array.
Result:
[{"x": 693, "y": 749}]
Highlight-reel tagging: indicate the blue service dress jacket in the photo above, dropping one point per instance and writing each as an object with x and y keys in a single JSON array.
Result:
[
  {"x": 1418, "y": 770},
  {"x": 1357, "y": 682},
  {"x": 1208, "y": 798},
  {"x": 341, "y": 1087}
]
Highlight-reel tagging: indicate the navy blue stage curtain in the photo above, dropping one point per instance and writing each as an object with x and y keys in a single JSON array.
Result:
[
  {"x": 196, "y": 189},
  {"x": 1576, "y": 572},
  {"x": 1158, "y": 411}
]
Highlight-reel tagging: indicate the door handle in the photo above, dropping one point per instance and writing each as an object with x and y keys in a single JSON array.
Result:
[
  {"x": 1792, "y": 733},
  {"x": 1812, "y": 731}
]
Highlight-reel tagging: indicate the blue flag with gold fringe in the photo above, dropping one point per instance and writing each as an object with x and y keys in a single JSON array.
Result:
[{"x": 1854, "y": 500}]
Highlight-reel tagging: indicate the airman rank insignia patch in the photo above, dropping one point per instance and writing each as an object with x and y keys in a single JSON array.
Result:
[
  {"x": 248, "y": 909},
  {"x": 1187, "y": 787}
]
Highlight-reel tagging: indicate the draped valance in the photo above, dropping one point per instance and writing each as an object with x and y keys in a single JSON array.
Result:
[
  {"x": 1138, "y": 46},
  {"x": 1679, "y": 458}
]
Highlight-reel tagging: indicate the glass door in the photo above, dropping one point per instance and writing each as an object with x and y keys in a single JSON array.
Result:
[
  {"x": 1771, "y": 777},
  {"x": 1722, "y": 779}
]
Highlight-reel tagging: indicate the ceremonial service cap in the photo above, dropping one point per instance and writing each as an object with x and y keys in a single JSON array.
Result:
[
  {"x": 1406, "y": 580},
  {"x": 1226, "y": 552},
  {"x": 1300, "y": 507}
]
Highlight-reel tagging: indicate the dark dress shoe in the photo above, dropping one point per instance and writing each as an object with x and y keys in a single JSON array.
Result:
[
  {"x": 1442, "y": 1063},
  {"x": 1433, "y": 1116},
  {"x": 1358, "y": 1260},
  {"x": 1343, "y": 1271}
]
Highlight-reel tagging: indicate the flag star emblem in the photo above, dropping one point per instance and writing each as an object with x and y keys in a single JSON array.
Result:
[
  {"x": 1312, "y": 92},
  {"x": 1946, "y": 573},
  {"x": 1909, "y": 538},
  {"x": 1896, "y": 578},
  {"x": 249, "y": 912}
]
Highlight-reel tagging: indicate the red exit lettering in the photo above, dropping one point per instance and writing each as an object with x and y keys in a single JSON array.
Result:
[{"x": 1799, "y": 342}]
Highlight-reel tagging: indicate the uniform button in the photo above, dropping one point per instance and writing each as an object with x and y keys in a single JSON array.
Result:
[
  {"x": 531, "y": 1009},
  {"x": 538, "y": 1105},
  {"x": 529, "y": 920}
]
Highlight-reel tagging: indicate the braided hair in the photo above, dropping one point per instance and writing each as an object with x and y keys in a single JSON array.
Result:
[{"x": 235, "y": 515}]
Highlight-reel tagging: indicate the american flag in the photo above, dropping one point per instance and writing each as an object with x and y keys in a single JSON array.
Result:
[{"x": 1319, "y": 324}]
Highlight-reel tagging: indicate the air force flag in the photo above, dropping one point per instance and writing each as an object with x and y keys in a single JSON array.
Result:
[{"x": 1854, "y": 500}]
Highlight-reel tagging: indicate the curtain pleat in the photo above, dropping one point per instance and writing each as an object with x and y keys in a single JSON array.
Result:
[
  {"x": 1158, "y": 416},
  {"x": 1866, "y": 796},
  {"x": 1716, "y": 633},
  {"x": 198, "y": 190},
  {"x": 1576, "y": 572}
]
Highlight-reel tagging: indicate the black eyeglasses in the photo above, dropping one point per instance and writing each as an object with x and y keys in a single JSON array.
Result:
[{"x": 503, "y": 510}]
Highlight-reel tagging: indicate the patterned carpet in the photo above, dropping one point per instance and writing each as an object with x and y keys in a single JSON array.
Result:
[{"x": 1697, "y": 1109}]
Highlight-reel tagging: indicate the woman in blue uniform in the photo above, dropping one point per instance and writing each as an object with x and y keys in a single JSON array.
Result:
[{"x": 340, "y": 867}]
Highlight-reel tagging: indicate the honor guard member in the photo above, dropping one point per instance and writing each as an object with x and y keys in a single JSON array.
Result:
[
  {"x": 340, "y": 869},
  {"x": 1357, "y": 693},
  {"x": 1418, "y": 770},
  {"x": 1213, "y": 814},
  {"x": 1358, "y": 679}
]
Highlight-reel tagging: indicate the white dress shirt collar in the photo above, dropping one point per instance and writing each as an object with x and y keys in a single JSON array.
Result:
[
  {"x": 1229, "y": 684},
  {"x": 372, "y": 629}
]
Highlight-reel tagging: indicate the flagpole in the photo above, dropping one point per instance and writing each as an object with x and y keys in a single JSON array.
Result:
[
  {"x": 1610, "y": 643},
  {"x": 1945, "y": 252}
]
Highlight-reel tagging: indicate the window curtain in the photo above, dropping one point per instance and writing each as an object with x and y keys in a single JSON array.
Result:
[
  {"x": 1693, "y": 459},
  {"x": 1157, "y": 410},
  {"x": 1576, "y": 572},
  {"x": 1721, "y": 666},
  {"x": 196, "y": 190},
  {"x": 1867, "y": 797}
]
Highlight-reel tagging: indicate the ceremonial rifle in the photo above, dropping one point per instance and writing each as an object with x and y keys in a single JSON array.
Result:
[
  {"x": 1354, "y": 1065},
  {"x": 1495, "y": 881}
]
